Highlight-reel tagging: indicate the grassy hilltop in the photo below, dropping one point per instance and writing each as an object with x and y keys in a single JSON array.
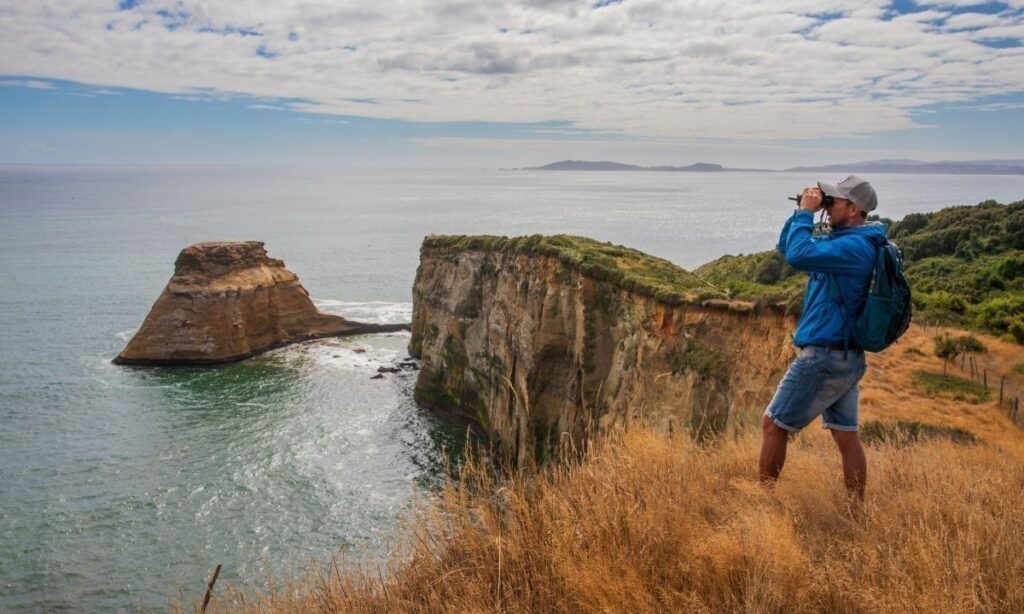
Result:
[
  {"x": 645, "y": 521},
  {"x": 965, "y": 266}
]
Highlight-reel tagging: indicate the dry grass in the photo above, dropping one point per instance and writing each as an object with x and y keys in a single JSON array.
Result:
[
  {"x": 649, "y": 523},
  {"x": 887, "y": 394}
]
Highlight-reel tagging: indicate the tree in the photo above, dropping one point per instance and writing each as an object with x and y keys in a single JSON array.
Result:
[{"x": 946, "y": 348}]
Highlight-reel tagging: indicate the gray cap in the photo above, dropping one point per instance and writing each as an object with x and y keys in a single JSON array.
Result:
[{"x": 853, "y": 188}]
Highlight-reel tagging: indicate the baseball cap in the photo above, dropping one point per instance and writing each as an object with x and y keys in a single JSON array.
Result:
[{"x": 853, "y": 188}]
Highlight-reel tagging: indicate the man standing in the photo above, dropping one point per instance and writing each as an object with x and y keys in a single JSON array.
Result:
[{"x": 823, "y": 379}]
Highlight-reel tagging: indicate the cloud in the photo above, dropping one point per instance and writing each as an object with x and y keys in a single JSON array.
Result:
[
  {"x": 29, "y": 83},
  {"x": 776, "y": 69}
]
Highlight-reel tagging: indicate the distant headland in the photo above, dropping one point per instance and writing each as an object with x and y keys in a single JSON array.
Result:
[{"x": 965, "y": 167}]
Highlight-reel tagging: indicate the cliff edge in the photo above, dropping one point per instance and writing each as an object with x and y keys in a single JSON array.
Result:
[
  {"x": 227, "y": 301},
  {"x": 534, "y": 339}
]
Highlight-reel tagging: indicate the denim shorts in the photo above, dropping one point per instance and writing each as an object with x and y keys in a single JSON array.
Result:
[{"x": 820, "y": 382}]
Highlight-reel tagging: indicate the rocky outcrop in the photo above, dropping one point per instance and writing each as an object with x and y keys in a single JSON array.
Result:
[
  {"x": 538, "y": 339},
  {"x": 229, "y": 301}
]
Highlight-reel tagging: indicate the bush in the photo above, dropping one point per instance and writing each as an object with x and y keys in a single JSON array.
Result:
[
  {"x": 946, "y": 347},
  {"x": 971, "y": 344},
  {"x": 997, "y": 314},
  {"x": 1011, "y": 267},
  {"x": 940, "y": 301},
  {"x": 1016, "y": 330}
]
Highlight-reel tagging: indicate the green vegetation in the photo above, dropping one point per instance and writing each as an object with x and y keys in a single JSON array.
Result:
[
  {"x": 628, "y": 268},
  {"x": 906, "y": 432},
  {"x": 752, "y": 277},
  {"x": 947, "y": 385},
  {"x": 1019, "y": 368},
  {"x": 965, "y": 266},
  {"x": 948, "y": 347},
  {"x": 700, "y": 359}
]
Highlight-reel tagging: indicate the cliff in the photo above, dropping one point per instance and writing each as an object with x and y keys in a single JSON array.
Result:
[
  {"x": 535, "y": 338},
  {"x": 229, "y": 301}
]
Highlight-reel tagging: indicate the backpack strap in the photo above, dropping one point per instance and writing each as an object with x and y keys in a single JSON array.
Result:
[{"x": 837, "y": 296}]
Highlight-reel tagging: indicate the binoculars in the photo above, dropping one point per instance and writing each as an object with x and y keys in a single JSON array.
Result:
[{"x": 826, "y": 200}]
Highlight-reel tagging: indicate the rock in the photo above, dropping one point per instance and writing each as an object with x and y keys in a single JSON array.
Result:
[
  {"x": 378, "y": 376},
  {"x": 535, "y": 338},
  {"x": 359, "y": 350},
  {"x": 387, "y": 370},
  {"x": 227, "y": 301}
]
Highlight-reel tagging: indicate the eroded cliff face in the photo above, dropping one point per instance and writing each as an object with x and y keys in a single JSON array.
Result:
[
  {"x": 532, "y": 349},
  {"x": 227, "y": 301}
]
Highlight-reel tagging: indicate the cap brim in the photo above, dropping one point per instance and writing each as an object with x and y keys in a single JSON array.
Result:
[{"x": 831, "y": 190}]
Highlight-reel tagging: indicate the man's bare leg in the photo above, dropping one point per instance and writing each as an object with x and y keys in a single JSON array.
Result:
[
  {"x": 773, "y": 450},
  {"x": 855, "y": 464}
]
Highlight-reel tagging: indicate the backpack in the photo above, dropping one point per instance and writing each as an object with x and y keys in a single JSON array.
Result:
[{"x": 888, "y": 310}]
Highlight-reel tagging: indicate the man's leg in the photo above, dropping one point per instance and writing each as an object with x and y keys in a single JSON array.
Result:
[
  {"x": 773, "y": 450},
  {"x": 855, "y": 464}
]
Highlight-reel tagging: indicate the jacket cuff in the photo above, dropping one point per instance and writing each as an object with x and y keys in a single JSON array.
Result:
[{"x": 808, "y": 215}]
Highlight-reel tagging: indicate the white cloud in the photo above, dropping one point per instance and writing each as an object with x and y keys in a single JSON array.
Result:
[
  {"x": 678, "y": 68},
  {"x": 29, "y": 83}
]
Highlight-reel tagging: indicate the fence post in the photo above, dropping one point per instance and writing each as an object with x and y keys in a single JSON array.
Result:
[
  {"x": 985, "y": 378},
  {"x": 209, "y": 588},
  {"x": 1002, "y": 380}
]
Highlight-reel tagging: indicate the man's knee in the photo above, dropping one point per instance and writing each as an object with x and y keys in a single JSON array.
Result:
[
  {"x": 772, "y": 430},
  {"x": 846, "y": 440}
]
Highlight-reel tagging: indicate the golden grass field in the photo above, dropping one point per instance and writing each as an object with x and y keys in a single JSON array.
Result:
[{"x": 645, "y": 522}]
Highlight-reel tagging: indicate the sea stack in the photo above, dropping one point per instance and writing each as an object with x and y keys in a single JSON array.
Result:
[{"x": 227, "y": 301}]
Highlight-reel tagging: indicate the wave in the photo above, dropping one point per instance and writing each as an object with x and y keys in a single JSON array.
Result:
[
  {"x": 346, "y": 355},
  {"x": 378, "y": 312}
]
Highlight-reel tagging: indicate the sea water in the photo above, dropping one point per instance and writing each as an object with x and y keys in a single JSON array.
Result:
[{"x": 120, "y": 485}]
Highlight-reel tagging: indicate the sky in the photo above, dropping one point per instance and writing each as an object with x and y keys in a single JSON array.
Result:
[{"x": 495, "y": 83}]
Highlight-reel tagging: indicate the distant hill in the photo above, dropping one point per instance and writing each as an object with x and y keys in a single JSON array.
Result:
[
  {"x": 584, "y": 165},
  {"x": 968, "y": 167}
]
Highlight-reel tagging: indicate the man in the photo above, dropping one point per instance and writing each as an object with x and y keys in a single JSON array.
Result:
[{"x": 823, "y": 378}]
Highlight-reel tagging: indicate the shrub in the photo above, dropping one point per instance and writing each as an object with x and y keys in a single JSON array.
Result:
[
  {"x": 940, "y": 301},
  {"x": 1016, "y": 330},
  {"x": 971, "y": 344},
  {"x": 997, "y": 314},
  {"x": 1011, "y": 267}
]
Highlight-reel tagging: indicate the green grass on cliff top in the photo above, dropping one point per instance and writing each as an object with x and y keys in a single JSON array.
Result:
[{"x": 628, "y": 268}]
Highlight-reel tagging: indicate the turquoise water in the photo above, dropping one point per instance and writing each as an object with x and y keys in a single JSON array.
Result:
[{"x": 118, "y": 485}]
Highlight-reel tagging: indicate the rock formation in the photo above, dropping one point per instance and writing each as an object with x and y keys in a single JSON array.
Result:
[
  {"x": 228, "y": 301},
  {"x": 535, "y": 339}
]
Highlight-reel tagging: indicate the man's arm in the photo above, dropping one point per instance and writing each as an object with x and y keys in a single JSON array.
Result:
[
  {"x": 784, "y": 235},
  {"x": 802, "y": 252}
]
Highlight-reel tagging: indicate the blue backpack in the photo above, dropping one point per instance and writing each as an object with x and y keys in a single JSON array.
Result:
[{"x": 887, "y": 311}]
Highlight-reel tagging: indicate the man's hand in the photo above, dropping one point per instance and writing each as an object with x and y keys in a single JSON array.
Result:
[{"x": 810, "y": 199}]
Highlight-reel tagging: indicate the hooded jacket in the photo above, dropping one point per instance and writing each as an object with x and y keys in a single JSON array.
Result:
[{"x": 848, "y": 255}]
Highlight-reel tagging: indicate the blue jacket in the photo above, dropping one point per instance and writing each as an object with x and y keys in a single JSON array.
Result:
[{"x": 849, "y": 255}]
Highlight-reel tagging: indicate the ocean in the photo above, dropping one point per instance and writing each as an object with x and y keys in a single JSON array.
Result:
[{"x": 119, "y": 486}]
